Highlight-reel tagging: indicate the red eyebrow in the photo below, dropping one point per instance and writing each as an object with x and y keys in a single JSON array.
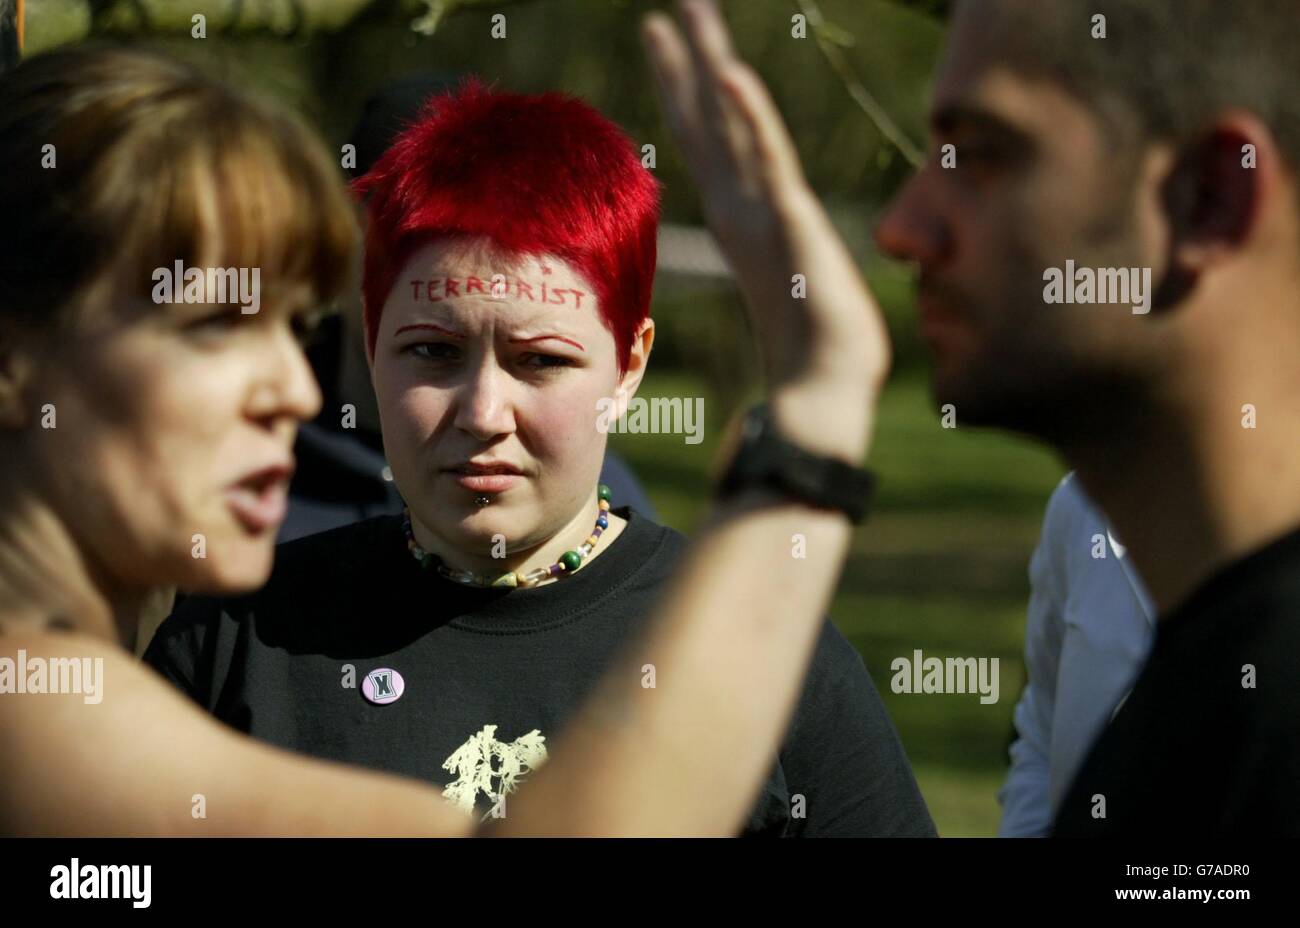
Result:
[
  {"x": 429, "y": 325},
  {"x": 525, "y": 341},
  {"x": 513, "y": 341}
]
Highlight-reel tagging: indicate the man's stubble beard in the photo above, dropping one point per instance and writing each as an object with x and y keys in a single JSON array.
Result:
[{"x": 1033, "y": 374}]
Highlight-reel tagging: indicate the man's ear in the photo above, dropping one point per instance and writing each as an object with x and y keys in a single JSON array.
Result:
[
  {"x": 1217, "y": 190},
  {"x": 637, "y": 360},
  {"x": 16, "y": 372}
]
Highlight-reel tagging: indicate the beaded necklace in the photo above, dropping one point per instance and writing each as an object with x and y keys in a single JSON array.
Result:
[{"x": 568, "y": 563}]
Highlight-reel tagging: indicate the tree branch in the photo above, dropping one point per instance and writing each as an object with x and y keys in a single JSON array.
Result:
[{"x": 829, "y": 39}]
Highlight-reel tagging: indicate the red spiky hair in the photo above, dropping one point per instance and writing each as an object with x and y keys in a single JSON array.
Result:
[{"x": 536, "y": 174}]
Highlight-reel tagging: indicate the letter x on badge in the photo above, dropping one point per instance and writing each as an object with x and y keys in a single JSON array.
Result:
[{"x": 383, "y": 686}]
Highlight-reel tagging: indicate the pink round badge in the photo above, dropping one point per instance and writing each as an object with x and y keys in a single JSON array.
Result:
[{"x": 383, "y": 686}]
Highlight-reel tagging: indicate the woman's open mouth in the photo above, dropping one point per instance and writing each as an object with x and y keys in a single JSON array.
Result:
[{"x": 261, "y": 500}]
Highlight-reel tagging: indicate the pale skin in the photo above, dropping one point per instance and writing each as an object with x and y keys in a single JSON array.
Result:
[
  {"x": 506, "y": 377},
  {"x": 1147, "y": 408},
  {"x": 731, "y": 641}
]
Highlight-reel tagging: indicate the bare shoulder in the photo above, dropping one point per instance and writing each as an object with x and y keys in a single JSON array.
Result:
[{"x": 92, "y": 742}]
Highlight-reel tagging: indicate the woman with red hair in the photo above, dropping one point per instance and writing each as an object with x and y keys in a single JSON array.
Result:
[{"x": 509, "y": 259}]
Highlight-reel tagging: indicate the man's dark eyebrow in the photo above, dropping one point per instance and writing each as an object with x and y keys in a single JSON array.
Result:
[{"x": 949, "y": 119}]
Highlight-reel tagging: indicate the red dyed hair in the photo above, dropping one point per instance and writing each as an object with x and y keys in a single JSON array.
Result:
[{"x": 536, "y": 174}]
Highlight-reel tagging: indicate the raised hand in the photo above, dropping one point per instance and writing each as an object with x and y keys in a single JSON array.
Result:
[{"x": 830, "y": 346}]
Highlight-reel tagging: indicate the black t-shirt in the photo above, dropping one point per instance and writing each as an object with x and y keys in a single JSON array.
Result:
[
  {"x": 1208, "y": 741},
  {"x": 488, "y": 677}
]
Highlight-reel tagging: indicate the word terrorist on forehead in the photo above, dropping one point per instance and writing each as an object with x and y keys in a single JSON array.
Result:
[{"x": 497, "y": 287}]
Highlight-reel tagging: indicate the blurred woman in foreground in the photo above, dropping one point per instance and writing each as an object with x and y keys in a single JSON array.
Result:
[{"x": 148, "y": 443}]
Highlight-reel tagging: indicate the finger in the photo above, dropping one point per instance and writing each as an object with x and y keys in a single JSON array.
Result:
[
  {"x": 709, "y": 34},
  {"x": 774, "y": 148},
  {"x": 675, "y": 78},
  {"x": 710, "y": 47},
  {"x": 696, "y": 125},
  {"x": 711, "y": 50}
]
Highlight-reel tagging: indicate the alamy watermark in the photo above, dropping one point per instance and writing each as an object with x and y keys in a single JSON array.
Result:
[
  {"x": 660, "y": 415},
  {"x": 1099, "y": 285},
  {"x": 53, "y": 675},
  {"x": 209, "y": 285},
  {"x": 921, "y": 674},
  {"x": 104, "y": 881}
]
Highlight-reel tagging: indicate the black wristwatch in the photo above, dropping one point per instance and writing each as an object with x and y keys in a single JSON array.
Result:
[{"x": 767, "y": 459}]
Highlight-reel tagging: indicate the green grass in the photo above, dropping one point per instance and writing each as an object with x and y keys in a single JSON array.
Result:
[{"x": 940, "y": 565}]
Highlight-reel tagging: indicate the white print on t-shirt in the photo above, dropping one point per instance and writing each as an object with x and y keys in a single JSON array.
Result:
[{"x": 473, "y": 765}]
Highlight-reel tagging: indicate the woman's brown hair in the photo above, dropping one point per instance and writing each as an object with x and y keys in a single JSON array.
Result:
[{"x": 114, "y": 162}]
